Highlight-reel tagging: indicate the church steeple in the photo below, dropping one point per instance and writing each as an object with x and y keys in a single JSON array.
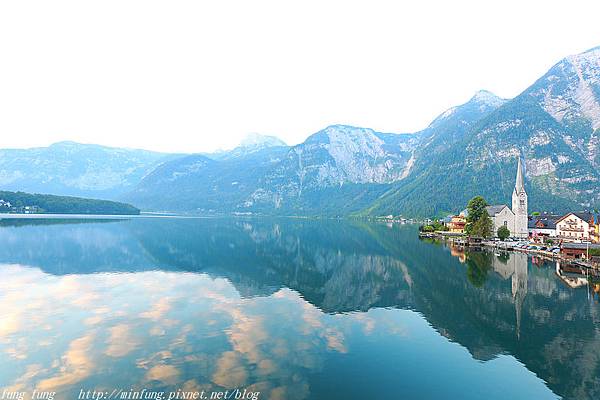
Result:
[
  {"x": 519, "y": 185},
  {"x": 519, "y": 204}
]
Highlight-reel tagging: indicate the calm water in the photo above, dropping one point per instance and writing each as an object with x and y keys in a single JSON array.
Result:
[{"x": 293, "y": 309}]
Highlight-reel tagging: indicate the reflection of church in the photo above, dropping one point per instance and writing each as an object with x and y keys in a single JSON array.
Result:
[{"x": 515, "y": 268}]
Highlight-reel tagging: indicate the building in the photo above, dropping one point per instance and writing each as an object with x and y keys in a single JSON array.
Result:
[
  {"x": 595, "y": 232},
  {"x": 576, "y": 227},
  {"x": 514, "y": 219},
  {"x": 543, "y": 227},
  {"x": 501, "y": 215},
  {"x": 519, "y": 205},
  {"x": 577, "y": 250},
  {"x": 457, "y": 224}
]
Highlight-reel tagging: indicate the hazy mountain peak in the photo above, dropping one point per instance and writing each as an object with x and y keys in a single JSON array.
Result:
[
  {"x": 478, "y": 106},
  {"x": 256, "y": 140},
  {"x": 488, "y": 98},
  {"x": 65, "y": 143},
  {"x": 593, "y": 53}
]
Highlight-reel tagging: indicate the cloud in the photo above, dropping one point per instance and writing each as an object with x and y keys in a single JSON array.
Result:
[
  {"x": 121, "y": 341},
  {"x": 76, "y": 365},
  {"x": 231, "y": 371},
  {"x": 158, "y": 310},
  {"x": 166, "y": 374}
]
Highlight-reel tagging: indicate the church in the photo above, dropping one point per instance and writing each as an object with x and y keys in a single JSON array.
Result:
[{"x": 514, "y": 219}]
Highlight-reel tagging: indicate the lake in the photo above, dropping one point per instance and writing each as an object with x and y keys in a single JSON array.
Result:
[{"x": 289, "y": 309}]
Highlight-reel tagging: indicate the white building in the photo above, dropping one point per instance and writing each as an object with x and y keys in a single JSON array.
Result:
[
  {"x": 514, "y": 219},
  {"x": 575, "y": 227},
  {"x": 501, "y": 215}
]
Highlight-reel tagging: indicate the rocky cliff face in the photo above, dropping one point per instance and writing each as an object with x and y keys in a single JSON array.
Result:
[{"x": 336, "y": 156}]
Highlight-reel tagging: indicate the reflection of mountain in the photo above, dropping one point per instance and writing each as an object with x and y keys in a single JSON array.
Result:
[{"x": 490, "y": 305}]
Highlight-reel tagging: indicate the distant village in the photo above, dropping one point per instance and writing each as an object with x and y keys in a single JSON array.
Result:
[
  {"x": 7, "y": 207},
  {"x": 574, "y": 235}
]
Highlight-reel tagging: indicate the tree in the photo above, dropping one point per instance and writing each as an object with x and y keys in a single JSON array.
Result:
[
  {"x": 479, "y": 222},
  {"x": 535, "y": 213},
  {"x": 503, "y": 232},
  {"x": 483, "y": 227},
  {"x": 427, "y": 228}
]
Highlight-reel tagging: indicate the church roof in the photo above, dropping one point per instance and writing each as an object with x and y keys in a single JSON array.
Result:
[
  {"x": 519, "y": 185},
  {"x": 493, "y": 210}
]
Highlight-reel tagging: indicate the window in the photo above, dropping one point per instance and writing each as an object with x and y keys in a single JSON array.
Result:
[{"x": 505, "y": 223}]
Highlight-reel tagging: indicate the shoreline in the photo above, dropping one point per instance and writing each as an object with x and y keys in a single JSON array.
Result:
[{"x": 462, "y": 240}]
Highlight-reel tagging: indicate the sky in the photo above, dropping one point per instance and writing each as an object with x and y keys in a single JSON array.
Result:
[{"x": 192, "y": 76}]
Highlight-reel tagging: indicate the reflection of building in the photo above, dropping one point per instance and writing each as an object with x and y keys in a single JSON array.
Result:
[
  {"x": 514, "y": 219},
  {"x": 575, "y": 227},
  {"x": 515, "y": 268},
  {"x": 459, "y": 252}
]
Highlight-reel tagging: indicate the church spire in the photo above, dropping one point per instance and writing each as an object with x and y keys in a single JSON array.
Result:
[{"x": 519, "y": 185}]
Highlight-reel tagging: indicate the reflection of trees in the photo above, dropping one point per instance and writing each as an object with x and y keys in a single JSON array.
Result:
[{"x": 478, "y": 265}]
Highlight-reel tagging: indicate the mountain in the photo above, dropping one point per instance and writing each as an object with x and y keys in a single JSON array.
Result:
[
  {"x": 450, "y": 127},
  {"x": 468, "y": 150},
  {"x": 199, "y": 183},
  {"x": 69, "y": 168},
  {"x": 336, "y": 170},
  {"x": 553, "y": 125}
]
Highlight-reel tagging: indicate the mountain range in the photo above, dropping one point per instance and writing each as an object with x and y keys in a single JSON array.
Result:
[{"x": 470, "y": 149}]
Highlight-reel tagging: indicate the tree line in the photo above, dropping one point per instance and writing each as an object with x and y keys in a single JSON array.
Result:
[{"x": 45, "y": 203}]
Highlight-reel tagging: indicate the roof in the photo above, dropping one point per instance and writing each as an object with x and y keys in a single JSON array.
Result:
[
  {"x": 586, "y": 216},
  {"x": 580, "y": 246},
  {"x": 549, "y": 223},
  {"x": 493, "y": 210}
]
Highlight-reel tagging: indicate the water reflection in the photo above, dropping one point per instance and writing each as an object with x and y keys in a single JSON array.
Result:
[{"x": 294, "y": 309}]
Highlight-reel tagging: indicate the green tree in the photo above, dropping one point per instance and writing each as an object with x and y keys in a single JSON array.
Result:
[
  {"x": 483, "y": 226},
  {"x": 503, "y": 232},
  {"x": 427, "y": 228},
  {"x": 479, "y": 222},
  {"x": 535, "y": 213}
]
